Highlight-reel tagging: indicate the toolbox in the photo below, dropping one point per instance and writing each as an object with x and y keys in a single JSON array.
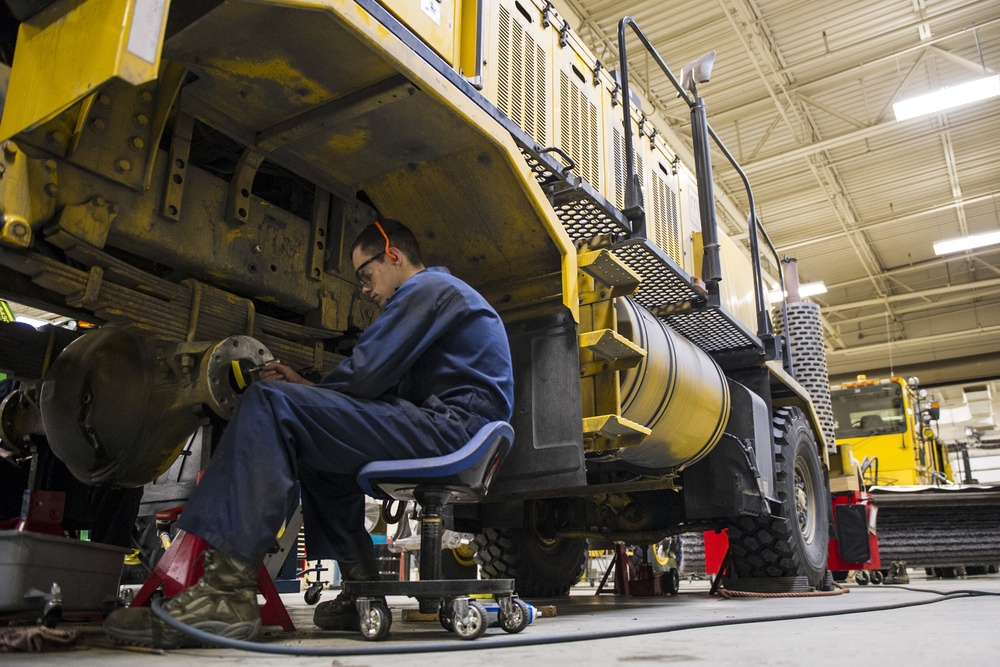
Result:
[{"x": 86, "y": 575}]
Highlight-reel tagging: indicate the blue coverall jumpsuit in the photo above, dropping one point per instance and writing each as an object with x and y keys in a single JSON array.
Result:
[{"x": 431, "y": 370}]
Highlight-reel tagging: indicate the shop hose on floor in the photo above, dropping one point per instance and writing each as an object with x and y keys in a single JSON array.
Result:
[{"x": 510, "y": 641}]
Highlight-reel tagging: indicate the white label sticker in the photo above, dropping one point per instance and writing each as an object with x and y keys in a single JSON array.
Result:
[
  {"x": 432, "y": 8},
  {"x": 144, "y": 35}
]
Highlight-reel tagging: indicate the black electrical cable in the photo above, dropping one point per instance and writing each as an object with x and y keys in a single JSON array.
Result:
[
  {"x": 966, "y": 592},
  {"x": 510, "y": 641}
]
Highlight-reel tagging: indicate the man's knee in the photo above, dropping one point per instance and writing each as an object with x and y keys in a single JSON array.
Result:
[
  {"x": 258, "y": 402},
  {"x": 266, "y": 393}
]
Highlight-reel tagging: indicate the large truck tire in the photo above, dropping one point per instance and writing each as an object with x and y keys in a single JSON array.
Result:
[
  {"x": 794, "y": 543},
  {"x": 540, "y": 567}
]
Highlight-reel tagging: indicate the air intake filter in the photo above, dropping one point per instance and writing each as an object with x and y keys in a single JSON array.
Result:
[{"x": 805, "y": 337}]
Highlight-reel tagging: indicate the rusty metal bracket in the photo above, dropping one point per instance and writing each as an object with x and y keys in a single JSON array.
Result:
[
  {"x": 192, "y": 327},
  {"x": 93, "y": 289},
  {"x": 119, "y": 126},
  {"x": 251, "y": 316},
  {"x": 89, "y": 222},
  {"x": 180, "y": 151},
  {"x": 238, "y": 207},
  {"x": 328, "y": 314},
  {"x": 319, "y": 232},
  {"x": 318, "y": 357}
]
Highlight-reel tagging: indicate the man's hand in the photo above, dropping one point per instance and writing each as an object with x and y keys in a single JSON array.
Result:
[{"x": 282, "y": 373}]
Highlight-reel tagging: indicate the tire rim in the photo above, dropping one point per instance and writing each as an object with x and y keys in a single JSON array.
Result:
[
  {"x": 804, "y": 507},
  {"x": 465, "y": 555},
  {"x": 549, "y": 545}
]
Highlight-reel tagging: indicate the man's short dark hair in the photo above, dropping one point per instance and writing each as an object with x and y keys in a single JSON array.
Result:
[{"x": 371, "y": 241}]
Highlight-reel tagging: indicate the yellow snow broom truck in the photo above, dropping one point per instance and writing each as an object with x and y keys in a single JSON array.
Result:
[
  {"x": 925, "y": 518},
  {"x": 190, "y": 175}
]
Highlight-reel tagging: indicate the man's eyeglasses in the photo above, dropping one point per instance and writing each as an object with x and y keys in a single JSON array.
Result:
[
  {"x": 365, "y": 275},
  {"x": 365, "y": 278}
]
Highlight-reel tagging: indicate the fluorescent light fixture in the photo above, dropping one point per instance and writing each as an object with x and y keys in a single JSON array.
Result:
[
  {"x": 946, "y": 98},
  {"x": 805, "y": 289},
  {"x": 966, "y": 243}
]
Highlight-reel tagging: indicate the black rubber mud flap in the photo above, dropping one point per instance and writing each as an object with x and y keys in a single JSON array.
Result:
[{"x": 795, "y": 541}]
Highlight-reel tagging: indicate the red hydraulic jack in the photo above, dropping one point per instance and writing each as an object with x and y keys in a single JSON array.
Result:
[
  {"x": 646, "y": 583},
  {"x": 180, "y": 568},
  {"x": 41, "y": 512}
]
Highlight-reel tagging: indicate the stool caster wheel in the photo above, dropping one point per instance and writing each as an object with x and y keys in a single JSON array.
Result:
[
  {"x": 376, "y": 623},
  {"x": 474, "y": 625},
  {"x": 447, "y": 617},
  {"x": 876, "y": 577},
  {"x": 313, "y": 594},
  {"x": 51, "y": 615},
  {"x": 862, "y": 578},
  {"x": 517, "y": 620}
]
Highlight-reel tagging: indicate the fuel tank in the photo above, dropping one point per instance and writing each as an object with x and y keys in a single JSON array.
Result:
[{"x": 677, "y": 391}]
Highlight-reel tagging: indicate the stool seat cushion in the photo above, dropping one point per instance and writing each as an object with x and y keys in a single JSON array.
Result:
[{"x": 466, "y": 473}]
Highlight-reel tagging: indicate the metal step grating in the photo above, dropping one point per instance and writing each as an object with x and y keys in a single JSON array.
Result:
[
  {"x": 583, "y": 212},
  {"x": 583, "y": 218},
  {"x": 713, "y": 330},
  {"x": 663, "y": 282},
  {"x": 541, "y": 170},
  {"x": 666, "y": 290}
]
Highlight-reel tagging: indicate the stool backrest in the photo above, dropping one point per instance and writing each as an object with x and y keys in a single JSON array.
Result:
[{"x": 466, "y": 473}]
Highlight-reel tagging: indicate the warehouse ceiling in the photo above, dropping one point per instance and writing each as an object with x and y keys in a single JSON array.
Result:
[{"x": 802, "y": 94}]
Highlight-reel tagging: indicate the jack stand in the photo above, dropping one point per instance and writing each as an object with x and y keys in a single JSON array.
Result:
[
  {"x": 646, "y": 582},
  {"x": 727, "y": 562},
  {"x": 620, "y": 566},
  {"x": 649, "y": 583},
  {"x": 180, "y": 568}
]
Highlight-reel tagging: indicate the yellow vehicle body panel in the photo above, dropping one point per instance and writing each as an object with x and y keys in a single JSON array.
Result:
[
  {"x": 71, "y": 49},
  {"x": 437, "y": 22}
]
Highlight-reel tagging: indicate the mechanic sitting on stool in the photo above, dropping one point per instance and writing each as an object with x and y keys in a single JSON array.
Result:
[{"x": 431, "y": 370}]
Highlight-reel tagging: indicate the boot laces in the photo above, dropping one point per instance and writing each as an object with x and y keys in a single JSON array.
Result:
[
  {"x": 209, "y": 563},
  {"x": 342, "y": 601}
]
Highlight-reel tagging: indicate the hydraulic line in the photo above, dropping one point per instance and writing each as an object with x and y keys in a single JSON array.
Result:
[{"x": 510, "y": 641}]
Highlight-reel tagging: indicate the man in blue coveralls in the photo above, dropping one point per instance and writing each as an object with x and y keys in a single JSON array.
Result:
[{"x": 431, "y": 370}]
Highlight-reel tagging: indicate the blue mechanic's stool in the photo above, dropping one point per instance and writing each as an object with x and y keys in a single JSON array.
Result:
[{"x": 463, "y": 476}]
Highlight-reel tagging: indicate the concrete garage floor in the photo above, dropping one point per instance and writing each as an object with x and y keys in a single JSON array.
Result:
[{"x": 954, "y": 630}]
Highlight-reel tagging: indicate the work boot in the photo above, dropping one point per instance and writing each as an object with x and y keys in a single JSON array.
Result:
[
  {"x": 897, "y": 573},
  {"x": 341, "y": 613},
  {"x": 223, "y": 602}
]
